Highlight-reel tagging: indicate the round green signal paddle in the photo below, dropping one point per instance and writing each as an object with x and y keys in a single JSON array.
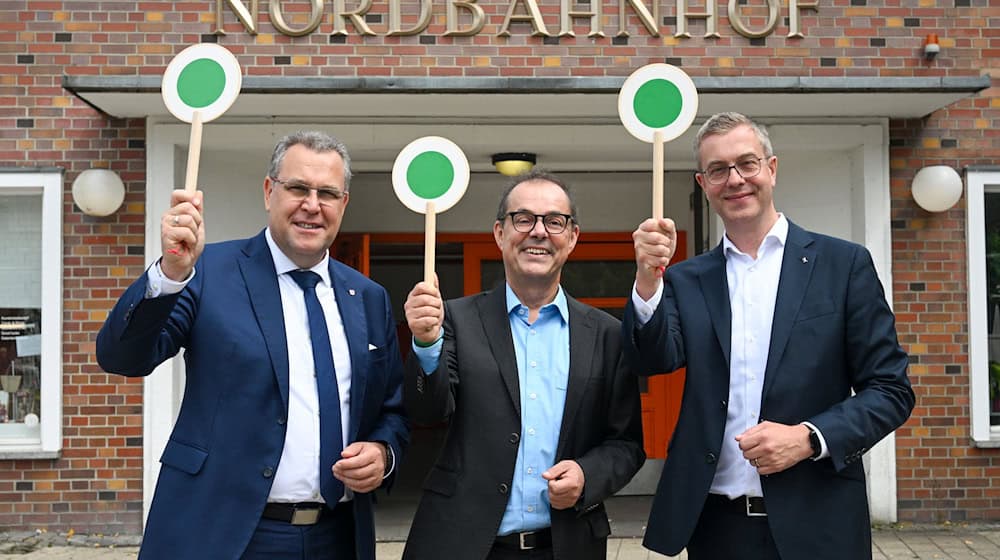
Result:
[
  {"x": 657, "y": 103},
  {"x": 657, "y": 98},
  {"x": 430, "y": 175},
  {"x": 199, "y": 85}
]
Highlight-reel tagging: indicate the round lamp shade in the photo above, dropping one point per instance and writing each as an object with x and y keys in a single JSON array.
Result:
[
  {"x": 98, "y": 192},
  {"x": 936, "y": 188},
  {"x": 513, "y": 164}
]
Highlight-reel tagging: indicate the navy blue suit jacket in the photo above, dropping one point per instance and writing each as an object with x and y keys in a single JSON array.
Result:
[
  {"x": 218, "y": 466},
  {"x": 832, "y": 333}
]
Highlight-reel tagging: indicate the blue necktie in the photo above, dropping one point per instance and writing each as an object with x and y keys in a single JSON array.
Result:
[{"x": 330, "y": 434}]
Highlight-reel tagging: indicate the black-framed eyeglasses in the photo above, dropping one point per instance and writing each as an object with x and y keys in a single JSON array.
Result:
[
  {"x": 553, "y": 223},
  {"x": 718, "y": 174},
  {"x": 299, "y": 191}
]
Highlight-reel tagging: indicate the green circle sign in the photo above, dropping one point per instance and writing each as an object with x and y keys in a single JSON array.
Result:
[
  {"x": 657, "y": 103},
  {"x": 430, "y": 169},
  {"x": 201, "y": 82},
  {"x": 657, "y": 98},
  {"x": 430, "y": 175},
  {"x": 206, "y": 78}
]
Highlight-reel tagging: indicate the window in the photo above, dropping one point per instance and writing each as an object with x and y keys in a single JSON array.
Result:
[
  {"x": 983, "y": 242},
  {"x": 30, "y": 312}
]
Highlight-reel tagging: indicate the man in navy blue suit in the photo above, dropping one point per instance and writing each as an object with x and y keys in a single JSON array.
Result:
[
  {"x": 793, "y": 366},
  {"x": 292, "y": 413}
]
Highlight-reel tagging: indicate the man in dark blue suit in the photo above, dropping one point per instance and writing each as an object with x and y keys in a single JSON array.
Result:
[
  {"x": 292, "y": 413},
  {"x": 793, "y": 366}
]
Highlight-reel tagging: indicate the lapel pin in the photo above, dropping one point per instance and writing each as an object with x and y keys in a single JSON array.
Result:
[
  {"x": 351, "y": 291},
  {"x": 804, "y": 260}
]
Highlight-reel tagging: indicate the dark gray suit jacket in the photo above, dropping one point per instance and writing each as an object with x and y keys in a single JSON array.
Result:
[
  {"x": 476, "y": 387},
  {"x": 832, "y": 333}
]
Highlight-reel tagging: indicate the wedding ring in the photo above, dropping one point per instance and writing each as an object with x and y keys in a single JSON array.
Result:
[
  {"x": 176, "y": 220},
  {"x": 756, "y": 463}
]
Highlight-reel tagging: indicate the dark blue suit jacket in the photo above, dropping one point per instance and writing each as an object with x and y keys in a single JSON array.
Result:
[
  {"x": 219, "y": 463},
  {"x": 833, "y": 332}
]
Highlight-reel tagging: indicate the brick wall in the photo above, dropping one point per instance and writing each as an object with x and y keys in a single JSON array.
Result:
[
  {"x": 96, "y": 485},
  {"x": 941, "y": 476}
]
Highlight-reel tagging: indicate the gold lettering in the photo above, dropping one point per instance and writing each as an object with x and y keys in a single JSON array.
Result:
[
  {"x": 736, "y": 20},
  {"x": 247, "y": 17},
  {"x": 566, "y": 15},
  {"x": 534, "y": 16},
  {"x": 396, "y": 18},
  {"x": 278, "y": 20},
  {"x": 649, "y": 20},
  {"x": 478, "y": 18},
  {"x": 710, "y": 15},
  {"x": 794, "y": 6},
  {"x": 356, "y": 17}
]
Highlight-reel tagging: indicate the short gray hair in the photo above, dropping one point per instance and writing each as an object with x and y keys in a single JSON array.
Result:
[
  {"x": 535, "y": 174},
  {"x": 721, "y": 123},
  {"x": 316, "y": 141}
]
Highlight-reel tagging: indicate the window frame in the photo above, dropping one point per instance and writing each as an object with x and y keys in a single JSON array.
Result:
[
  {"x": 979, "y": 181},
  {"x": 48, "y": 182}
]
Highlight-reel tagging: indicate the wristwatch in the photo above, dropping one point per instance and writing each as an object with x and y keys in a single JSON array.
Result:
[{"x": 814, "y": 443}]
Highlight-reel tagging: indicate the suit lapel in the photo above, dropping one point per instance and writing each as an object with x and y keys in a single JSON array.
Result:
[
  {"x": 350, "y": 303},
  {"x": 796, "y": 269},
  {"x": 259, "y": 275},
  {"x": 713, "y": 281},
  {"x": 582, "y": 347},
  {"x": 496, "y": 325}
]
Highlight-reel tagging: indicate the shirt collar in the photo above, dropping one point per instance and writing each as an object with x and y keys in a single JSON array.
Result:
[
  {"x": 283, "y": 264},
  {"x": 559, "y": 302},
  {"x": 777, "y": 234}
]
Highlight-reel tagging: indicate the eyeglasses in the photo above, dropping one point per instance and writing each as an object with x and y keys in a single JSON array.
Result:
[
  {"x": 300, "y": 191},
  {"x": 553, "y": 223},
  {"x": 746, "y": 168}
]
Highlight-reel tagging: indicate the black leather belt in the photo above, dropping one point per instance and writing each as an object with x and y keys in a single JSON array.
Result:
[
  {"x": 527, "y": 540},
  {"x": 301, "y": 513},
  {"x": 752, "y": 506}
]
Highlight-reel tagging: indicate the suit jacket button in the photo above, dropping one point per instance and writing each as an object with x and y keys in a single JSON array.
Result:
[
  {"x": 502, "y": 488},
  {"x": 281, "y": 421},
  {"x": 710, "y": 458},
  {"x": 267, "y": 472},
  {"x": 723, "y": 405},
  {"x": 514, "y": 438}
]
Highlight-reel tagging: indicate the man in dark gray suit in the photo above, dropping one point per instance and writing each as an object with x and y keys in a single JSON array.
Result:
[{"x": 545, "y": 417}]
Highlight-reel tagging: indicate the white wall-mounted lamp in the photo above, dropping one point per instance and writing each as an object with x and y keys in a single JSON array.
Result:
[
  {"x": 98, "y": 192},
  {"x": 936, "y": 188}
]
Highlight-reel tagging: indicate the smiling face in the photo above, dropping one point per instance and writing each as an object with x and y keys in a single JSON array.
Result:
[
  {"x": 535, "y": 258},
  {"x": 745, "y": 204},
  {"x": 303, "y": 228}
]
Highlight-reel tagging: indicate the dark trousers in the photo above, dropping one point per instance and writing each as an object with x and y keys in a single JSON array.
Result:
[
  {"x": 725, "y": 532},
  {"x": 332, "y": 538}
]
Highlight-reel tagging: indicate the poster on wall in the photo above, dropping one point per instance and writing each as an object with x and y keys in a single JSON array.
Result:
[{"x": 20, "y": 364}]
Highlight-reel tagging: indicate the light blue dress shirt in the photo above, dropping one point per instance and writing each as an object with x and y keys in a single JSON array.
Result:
[{"x": 542, "y": 351}]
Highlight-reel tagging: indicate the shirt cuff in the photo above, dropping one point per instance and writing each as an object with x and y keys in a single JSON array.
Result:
[
  {"x": 824, "y": 452},
  {"x": 157, "y": 283},
  {"x": 428, "y": 356},
  {"x": 644, "y": 309}
]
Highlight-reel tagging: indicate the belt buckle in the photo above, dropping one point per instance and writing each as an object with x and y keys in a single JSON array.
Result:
[
  {"x": 305, "y": 516},
  {"x": 750, "y": 512},
  {"x": 520, "y": 540}
]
